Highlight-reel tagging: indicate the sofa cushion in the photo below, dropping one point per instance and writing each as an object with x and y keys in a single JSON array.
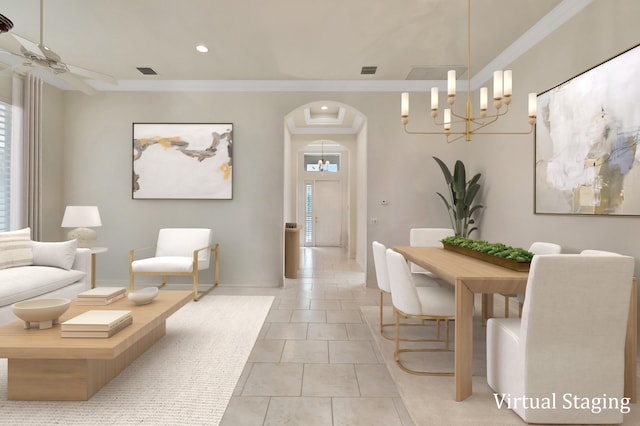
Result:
[
  {"x": 25, "y": 282},
  {"x": 59, "y": 254},
  {"x": 15, "y": 248}
]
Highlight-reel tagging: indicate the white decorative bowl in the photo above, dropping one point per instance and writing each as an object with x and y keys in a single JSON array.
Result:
[
  {"x": 45, "y": 312},
  {"x": 143, "y": 296}
]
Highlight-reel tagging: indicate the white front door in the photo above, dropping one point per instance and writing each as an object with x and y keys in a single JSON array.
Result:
[{"x": 327, "y": 206}]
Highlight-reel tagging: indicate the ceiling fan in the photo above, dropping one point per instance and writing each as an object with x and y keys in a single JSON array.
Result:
[{"x": 39, "y": 55}]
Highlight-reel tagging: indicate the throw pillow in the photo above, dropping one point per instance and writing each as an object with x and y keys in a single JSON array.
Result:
[
  {"x": 59, "y": 254},
  {"x": 15, "y": 248}
]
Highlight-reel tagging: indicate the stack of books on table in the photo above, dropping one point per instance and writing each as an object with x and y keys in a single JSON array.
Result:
[
  {"x": 96, "y": 323},
  {"x": 100, "y": 296}
]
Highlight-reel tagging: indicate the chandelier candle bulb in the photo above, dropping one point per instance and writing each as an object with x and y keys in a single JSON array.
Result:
[
  {"x": 451, "y": 83},
  {"x": 404, "y": 104},
  {"x": 506, "y": 77},
  {"x": 483, "y": 99},
  {"x": 447, "y": 119},
  {"x": 497, "y": 85},
  {"x": 434, "y": 99},
  {"x": 533, "y": 108}
]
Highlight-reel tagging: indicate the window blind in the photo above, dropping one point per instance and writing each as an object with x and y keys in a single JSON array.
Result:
[{"x": 5, "y": 166}]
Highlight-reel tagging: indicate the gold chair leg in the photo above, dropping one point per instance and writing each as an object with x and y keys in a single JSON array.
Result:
[
  {"x": 216, "y": 250},
  {"x": 195, "y": 287},
  {"x": 388, "y": 337},
  {"x": 196, "y": 293},
  {"x": 398, "y": 351},
  {"x": 131, "y": 256}
]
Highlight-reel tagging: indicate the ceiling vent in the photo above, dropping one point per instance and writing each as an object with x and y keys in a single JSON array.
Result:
[
  {"x": 369, "y": 70},
  {"x": 146, "y": 71}
]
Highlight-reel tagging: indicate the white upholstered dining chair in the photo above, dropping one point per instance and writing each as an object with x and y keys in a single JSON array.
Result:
[
  {"x": 575, "y": 349},
  {"x": 427, "y": 237},
  {"x": 382, "y": 278},
  {"x": 421, "y": 303},
  {"x": 538, "y": 247},
  {"x": 179, "y": 251}
]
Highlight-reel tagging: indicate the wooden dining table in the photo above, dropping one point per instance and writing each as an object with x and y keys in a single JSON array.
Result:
[{"x": 470, "y": 276}]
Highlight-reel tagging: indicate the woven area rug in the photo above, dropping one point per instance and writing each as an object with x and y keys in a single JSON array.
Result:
[{"x": 186, "y": 378}]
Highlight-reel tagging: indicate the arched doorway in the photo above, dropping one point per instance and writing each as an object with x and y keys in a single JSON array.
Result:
[{"x": 337, "y": 215}]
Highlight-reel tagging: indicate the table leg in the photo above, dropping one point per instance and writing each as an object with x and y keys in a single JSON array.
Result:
[
  {"x": 464, "y": 341},
  {"x": 487, "y": 307},
  {"x": 93, "y": 270}
]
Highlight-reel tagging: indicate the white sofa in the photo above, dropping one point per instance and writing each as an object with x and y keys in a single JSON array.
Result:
[{"x": 32, "y": 269}]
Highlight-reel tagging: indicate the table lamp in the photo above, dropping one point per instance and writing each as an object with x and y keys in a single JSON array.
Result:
[{"x": 81, "y": 218}]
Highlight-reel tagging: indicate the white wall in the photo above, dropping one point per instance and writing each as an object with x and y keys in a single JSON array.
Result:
[{"x": 97, "y": 137}]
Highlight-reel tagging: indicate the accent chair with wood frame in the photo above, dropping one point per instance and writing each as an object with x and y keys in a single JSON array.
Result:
[{"x": 179, "y": 252}]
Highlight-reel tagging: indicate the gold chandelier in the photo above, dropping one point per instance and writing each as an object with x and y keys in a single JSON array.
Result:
[{"x": 467, "y": 125}]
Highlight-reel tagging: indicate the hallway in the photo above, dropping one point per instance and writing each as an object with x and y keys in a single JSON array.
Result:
[{"x": 315, "y": 362}]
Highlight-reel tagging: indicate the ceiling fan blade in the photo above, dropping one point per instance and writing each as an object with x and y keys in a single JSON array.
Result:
[
  {"x": 22, "y": 69},
  {"x": 27, "y": 45},
  {"x": 76, "y": 82},
  {"x": 10, "y": 43},
  {"x": 92, "y": 75}
]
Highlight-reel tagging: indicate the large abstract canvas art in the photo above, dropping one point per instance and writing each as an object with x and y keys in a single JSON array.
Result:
[
  {"x": 587, "y": 134},
  {"x": 182, "y": 161}
]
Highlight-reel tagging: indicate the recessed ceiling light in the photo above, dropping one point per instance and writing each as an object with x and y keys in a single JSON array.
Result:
[
  {"x": 202, "y": 48},
  {"x": 324, "y": 107}
]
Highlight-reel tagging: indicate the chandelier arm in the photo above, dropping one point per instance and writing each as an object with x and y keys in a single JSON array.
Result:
[
  {"x": 460, "y": 136},
  {"x": 482, "y": 124},
  {"x": 415, "y": 132},
  {"x": 474, "y": 132},
  {"x": 507, "y": 133}
]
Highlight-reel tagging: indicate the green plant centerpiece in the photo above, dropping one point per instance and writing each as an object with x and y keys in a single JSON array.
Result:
[
  {"x": 500, "y": 254},
  {"x": 495, "y": 249},
  {"x": 462, "y": 193}
]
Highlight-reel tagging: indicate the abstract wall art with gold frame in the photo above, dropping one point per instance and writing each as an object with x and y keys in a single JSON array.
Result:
[
  {"x": 587, "y": 133},
  {"x": 182, "y": 161}
]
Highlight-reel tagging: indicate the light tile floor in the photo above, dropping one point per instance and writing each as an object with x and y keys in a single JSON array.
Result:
[{"x": 315, "y": 362}]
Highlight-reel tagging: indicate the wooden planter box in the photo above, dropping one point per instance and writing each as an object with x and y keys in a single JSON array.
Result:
[{"x": 506, "y": 263}]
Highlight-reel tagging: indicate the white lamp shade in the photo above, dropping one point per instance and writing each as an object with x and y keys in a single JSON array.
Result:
[{"x": 81, "y": 216}]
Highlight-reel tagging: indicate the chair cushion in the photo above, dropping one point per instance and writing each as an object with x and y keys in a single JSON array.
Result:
[
  {"x": 25, "y": 282},
  {"x": 183, "y": 241},
  {"x": 15, "y": 248},
  {"x": 503, "y": 355},
  {"x": 438, "y": 301},
  {"x": 163, "y": 264}
]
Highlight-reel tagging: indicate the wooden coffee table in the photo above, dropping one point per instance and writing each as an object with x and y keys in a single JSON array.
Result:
[{"x": 44, "y": 366}]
